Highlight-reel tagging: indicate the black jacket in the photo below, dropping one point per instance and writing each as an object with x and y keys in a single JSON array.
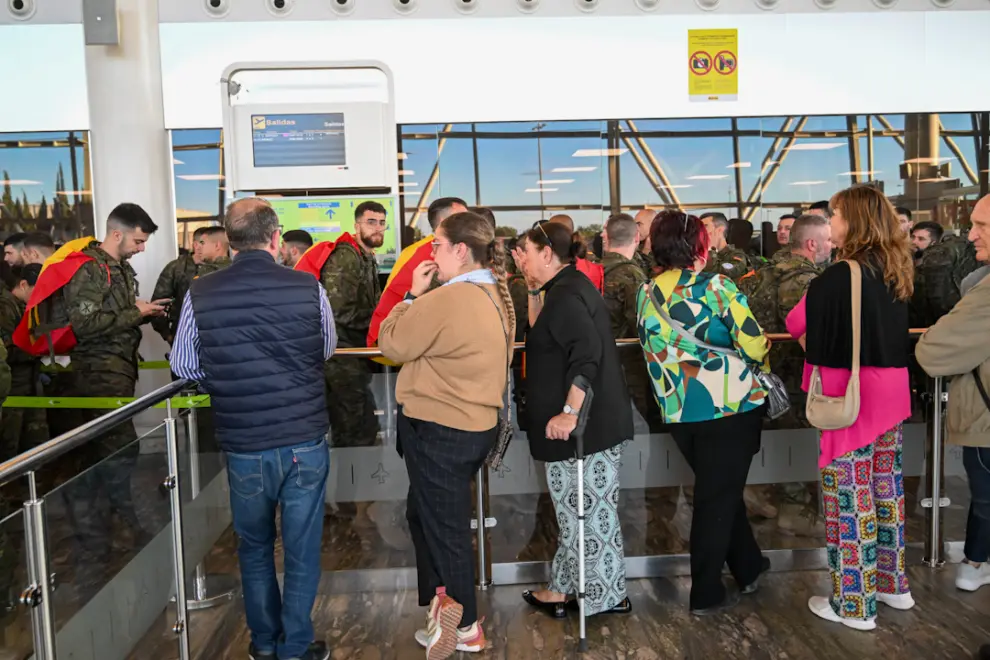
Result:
[
  {"x": 261, "y": 348},
  {"x": 572, "y": 337}
]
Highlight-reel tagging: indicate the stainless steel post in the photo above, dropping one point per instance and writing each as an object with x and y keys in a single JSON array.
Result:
[
  {"x": 223, "y": 587},
  {"x": 389, "y": 405},
  {"x": 934, "y": 551},
  {"x": 181, "y": 627},
  {"x": 38, "y": 596},
  {"x": 479, "y": 507}
]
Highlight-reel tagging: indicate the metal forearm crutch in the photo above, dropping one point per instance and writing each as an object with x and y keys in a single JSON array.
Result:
[{"x": 582, "y": 424}]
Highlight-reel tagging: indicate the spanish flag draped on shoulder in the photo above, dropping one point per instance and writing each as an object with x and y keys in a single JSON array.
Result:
[
  {"x": 315, "y": 257},
  {"x": 398, "y": 285},
  {"x": 56, "y": 272}
]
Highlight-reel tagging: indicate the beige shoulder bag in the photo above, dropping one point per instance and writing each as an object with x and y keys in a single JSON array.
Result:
[{"x": 830, "y": 413}]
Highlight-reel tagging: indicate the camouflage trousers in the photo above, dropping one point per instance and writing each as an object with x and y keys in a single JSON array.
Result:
[
  {"x": 22, "y": 428},
  {"x": 641, "y": 389},
  {"x": 10, "y": 559},
  {"x": 350, "y": 403},
  {"x": 99, "y": 473}
]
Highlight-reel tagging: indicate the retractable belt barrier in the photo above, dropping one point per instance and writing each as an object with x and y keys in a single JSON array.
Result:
[{"x": 203, "y": 400}]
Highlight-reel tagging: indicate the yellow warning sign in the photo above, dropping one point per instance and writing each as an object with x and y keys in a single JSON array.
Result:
[{"x": 713, "y": 65}]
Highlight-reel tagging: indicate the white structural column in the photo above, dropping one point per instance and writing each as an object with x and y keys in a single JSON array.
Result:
[{"x": 130, "y": 148}]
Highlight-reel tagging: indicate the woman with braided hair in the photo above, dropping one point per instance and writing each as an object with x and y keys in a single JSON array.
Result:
[{"x": 454, "y": 344}]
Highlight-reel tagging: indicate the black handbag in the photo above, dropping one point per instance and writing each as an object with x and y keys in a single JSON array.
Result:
[
  {"x": 503, "y": 429},
  {"x": 778, "y": 401}
]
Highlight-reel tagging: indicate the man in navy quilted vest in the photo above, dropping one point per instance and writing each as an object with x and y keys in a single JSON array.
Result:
[{"x": 255, "y": 336}]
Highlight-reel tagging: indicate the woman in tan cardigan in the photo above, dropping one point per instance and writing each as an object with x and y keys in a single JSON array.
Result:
[{"x": 453, "y": 345}]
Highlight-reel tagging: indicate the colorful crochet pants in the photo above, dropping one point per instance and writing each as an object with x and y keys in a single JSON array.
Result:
[{"x": 864, "y": 525}]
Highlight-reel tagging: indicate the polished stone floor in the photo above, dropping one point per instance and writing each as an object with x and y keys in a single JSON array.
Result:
[
  {"x": 655, "y": 521},
  {"x": 772, "y": 624}
]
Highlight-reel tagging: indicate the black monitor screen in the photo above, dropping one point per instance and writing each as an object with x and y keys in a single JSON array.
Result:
[{"x": 299, "y": 140}]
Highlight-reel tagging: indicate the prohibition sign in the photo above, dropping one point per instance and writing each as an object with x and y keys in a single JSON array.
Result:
[
  {"x": 703, "y": 58},
  {"x": 729, "y": 60}
]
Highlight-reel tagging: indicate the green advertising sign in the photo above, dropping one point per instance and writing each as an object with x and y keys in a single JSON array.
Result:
[{"x": 326, "y": 218}]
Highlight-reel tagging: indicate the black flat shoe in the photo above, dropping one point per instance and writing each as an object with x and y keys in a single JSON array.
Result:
[
  {"x": 553, "y": 610},
  {"x": 731, "y": 600},
  {"x": 754, "y": 586},
  {"x": 624, "y": 607}
]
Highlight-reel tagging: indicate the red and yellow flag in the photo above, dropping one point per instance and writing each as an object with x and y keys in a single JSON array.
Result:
[{"x": 56, "y": 272}]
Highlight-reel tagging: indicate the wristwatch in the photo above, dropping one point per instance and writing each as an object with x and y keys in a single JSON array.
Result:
[{"x": 569, "y": 411}]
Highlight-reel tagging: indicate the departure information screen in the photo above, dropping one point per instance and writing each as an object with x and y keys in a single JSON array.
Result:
[{"x": 299, "y": 140}]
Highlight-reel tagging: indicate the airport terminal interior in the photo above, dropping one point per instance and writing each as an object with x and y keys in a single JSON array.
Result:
[{"x": 754, "y": 109}]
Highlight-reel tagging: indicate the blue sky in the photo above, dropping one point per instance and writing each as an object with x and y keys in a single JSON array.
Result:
[{"x": 699, "y": 169}]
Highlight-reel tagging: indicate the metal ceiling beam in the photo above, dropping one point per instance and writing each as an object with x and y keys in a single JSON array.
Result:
[
  {"x": 771, "y": 163},
  {"x": 854, "y": 162},
  {"x": 664, "y": 198},
  {"x": 428, "y": 188},
  {"x": 957, "y": 152},
  {"x": 655, "y": 163},
  {"x": 898, "y": 138}
]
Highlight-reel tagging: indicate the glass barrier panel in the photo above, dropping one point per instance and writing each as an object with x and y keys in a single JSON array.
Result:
[
  {"x": 16, "y": 636},
  {"x": 365, "y": 517},
  {"x": 110, "y": 548}
]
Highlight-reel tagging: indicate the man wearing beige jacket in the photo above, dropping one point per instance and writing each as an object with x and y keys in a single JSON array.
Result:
[{"x": 956, "y": 346}]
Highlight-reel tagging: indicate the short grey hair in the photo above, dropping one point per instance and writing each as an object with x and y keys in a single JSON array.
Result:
[
  {"x": 803, "y": 227},
  {"x": 250, "y": 224},
  {"x": 622, "y": 230}
]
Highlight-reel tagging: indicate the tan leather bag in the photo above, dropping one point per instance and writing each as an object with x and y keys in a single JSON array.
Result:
[{"x": 831, "y": 413}]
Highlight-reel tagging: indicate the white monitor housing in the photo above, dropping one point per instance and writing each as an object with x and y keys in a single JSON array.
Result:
[{"x": 309, "y": 128}]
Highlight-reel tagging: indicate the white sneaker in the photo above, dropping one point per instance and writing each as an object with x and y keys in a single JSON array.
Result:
[
  {"x": 471, "y": 640},
  {"x": 971, "y": 578},
  {"x": 897, "y": 601},
  {"x": 820, "y": 606}
]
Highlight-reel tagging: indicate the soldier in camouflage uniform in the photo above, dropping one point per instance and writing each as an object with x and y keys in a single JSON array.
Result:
[
  {"x": 623, "y": 281},
  {"x": 794, "y": 269},
  {"x": 8, "y": 553},
  {"x": 23, "y": 428},
  {"x": 938, "y": 277},
  {"x": 723, "y": 258},
  {"x": 519, "y": 291},
  {"x": 210, "y": 252},
  {"x": 644, "y": 255},
  {"x": 106, "y": 315},
  {"x": 350, "y": 278}
]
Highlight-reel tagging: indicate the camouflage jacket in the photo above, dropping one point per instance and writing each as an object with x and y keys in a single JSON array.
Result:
[
  {"x": 774, "y": 289},
  {"x": 174, "y": 283},
  {"x": 4, "y": 376},
  {"x": 794, "y": 274},
  {"x": 938, "y": 278},
  {"x": 519, "y": 292},
  {"x": 645, "y": 262},
  {"x": 730, "y": 261},
  {"x": 350, "y": 278},
  {"x": 23, "y": 366},
  {"x": 623, "y": 280},
  {"x": 100, "y": 301}
]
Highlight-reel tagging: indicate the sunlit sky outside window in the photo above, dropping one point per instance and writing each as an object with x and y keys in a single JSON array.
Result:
[{"x": 530, "y": 170}]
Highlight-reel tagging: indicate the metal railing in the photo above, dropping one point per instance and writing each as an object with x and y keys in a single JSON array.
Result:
[{"x": 38, "y": 595}]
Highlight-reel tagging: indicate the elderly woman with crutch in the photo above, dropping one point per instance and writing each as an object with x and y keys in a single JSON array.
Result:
[{"x": 569, "y": 349}]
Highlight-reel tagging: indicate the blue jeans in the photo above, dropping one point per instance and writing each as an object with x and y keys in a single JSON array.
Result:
[
  {"x": 294, "y": 478},
  {"x": 976, "y": 460}
]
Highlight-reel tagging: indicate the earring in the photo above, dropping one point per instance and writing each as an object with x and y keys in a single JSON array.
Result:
[{"x": 546, "y": 265}]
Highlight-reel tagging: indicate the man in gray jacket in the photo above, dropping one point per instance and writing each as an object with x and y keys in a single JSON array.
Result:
[{"x": 956, "y": 346}]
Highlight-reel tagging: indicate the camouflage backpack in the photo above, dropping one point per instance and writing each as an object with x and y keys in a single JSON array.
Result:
[{"x": 760, "y": 287}]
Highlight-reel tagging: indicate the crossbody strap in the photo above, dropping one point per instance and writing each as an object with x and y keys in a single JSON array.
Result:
[
  {"x": 508, "y": 340},
  {"x": 680, "y": 330},
  {"x": 981, "y": 388},
  {"x": 856, "y": 294}
]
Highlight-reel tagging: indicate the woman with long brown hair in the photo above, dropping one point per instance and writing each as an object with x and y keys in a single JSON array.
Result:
[
  {"x": 454, "y": 344},
  {"x": 862, "y": 483}
]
